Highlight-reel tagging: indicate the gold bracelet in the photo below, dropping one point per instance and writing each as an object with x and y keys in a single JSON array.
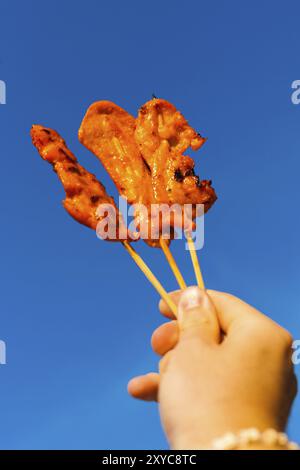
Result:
[{"x": 269, "y": 437}]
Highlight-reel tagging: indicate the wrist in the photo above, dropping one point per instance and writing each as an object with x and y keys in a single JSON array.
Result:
[
  {"x": 245, "y": 439},
  {"x": 200, "y": 436}
]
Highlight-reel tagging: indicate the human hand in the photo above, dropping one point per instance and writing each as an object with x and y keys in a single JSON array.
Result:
[{"x": 225, "y": 367}]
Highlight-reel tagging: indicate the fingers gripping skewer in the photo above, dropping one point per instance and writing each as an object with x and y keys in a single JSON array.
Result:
[
  {"x": 150, "y": 276},
  {"x": 172, "y": 263},
  {"x": 195, "y": 261}
]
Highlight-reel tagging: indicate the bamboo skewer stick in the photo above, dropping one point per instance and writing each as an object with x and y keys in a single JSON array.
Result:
[
  {"x": 195, "y": 261},
  {"x": 140, "y": 262},
  {"x": 138, "y": 259},
  {"x": 173, "y": 265},
  {"x": 150, "y": 276}
]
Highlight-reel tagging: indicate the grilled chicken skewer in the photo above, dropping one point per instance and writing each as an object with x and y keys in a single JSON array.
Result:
[
  {"x": 163, "y": 134},
  {"x": 108, "y": 131},
  {"x": 84, "y": 193}
]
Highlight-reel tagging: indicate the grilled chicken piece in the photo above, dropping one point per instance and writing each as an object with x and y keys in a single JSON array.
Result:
[
  {"x": 159, "y": 120},
  {"x": 163, "y": 134},
  {"x": 84, "y": 192},
  {"x": 108, "y": 131}
]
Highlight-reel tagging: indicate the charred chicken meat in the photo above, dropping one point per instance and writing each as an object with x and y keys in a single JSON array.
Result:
[
  {"x": 144, "y": 156},
  {"x": 84, "y": 192}
]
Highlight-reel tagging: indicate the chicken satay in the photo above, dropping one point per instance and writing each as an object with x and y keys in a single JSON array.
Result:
[
  {"x": 108, "y": 131},
  {"x": 162, "y": 134},
  {"x": 84, "y": 193},
  {"x": 159, "y": 120}
]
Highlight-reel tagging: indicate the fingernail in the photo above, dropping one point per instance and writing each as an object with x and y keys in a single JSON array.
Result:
[{"x": 192, "y": 297}]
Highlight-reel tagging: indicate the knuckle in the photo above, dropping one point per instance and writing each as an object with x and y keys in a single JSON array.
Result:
[
  {"x": 272, "y": 336},
  {"x": 277, "y": 333}
]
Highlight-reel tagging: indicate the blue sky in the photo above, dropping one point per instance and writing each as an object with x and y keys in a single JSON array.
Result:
[{"x": 75, "y": 312}]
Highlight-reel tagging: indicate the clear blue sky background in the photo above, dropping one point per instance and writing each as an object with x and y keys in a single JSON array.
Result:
[{"x": 75, "y": 312}]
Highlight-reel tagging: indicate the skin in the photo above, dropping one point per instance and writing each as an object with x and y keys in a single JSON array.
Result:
[{"x": 224, "y": 367}]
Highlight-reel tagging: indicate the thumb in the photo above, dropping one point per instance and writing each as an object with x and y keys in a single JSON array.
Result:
[{"x": 197, "y": 316}]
